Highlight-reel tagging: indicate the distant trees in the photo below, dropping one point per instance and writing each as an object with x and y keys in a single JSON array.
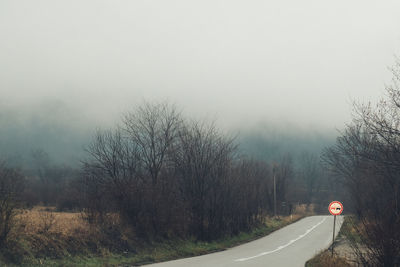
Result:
[
  {"x": 11, "y": 188},
  {"x": 283, "y": 173},
  {"x": 42, "y": 172},
  {"x": 50, "y": 184},
  {"x": 310, "y": 172},
  {"x": 367, "y": 156}
]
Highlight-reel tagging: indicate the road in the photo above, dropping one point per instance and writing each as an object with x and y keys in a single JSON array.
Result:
[{"x": 290, "y": 246}]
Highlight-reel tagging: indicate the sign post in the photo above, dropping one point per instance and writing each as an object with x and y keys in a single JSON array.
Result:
[{"x": 335, "y": 208}]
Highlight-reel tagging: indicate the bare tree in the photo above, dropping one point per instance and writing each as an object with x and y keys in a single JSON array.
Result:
[
  {"x": 132, "y": 166},
  {"x": 251, "y": 190},
  {"x": 367, "y": 157},
  {"x": 112, "y": 172},
  {"x": 201, "y": 164},
  {"x": 153, "y": 129},
  {"x": 11, "y": 188}
]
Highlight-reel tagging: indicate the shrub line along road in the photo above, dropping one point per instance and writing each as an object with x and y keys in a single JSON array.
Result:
[{"x": 290, "y": 246}]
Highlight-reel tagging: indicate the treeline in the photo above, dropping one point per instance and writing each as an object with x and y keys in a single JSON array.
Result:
[
  {"x": 167, "y": 175},
  {"x": 49, "y": 184},
  {"x": 164, "y": 175},
  {"x": 366, "y": 159}
]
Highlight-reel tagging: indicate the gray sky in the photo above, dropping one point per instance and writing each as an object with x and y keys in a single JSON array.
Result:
[{"x": 239, "y": 61}]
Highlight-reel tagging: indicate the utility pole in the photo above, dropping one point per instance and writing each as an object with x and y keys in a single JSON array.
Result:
[{"x": 274, "y": 189}]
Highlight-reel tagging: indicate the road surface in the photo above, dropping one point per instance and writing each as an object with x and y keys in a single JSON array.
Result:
[{"x": 290, "y": 246}]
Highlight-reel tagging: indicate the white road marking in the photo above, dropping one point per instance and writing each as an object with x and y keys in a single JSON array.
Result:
[{"x": 284, "y": 246}]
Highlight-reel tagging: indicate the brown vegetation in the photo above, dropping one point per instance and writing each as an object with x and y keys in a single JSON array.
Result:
[
  {"x": 42, "y": 219},
  {"x": 44, "y": 236},
  {"x": 11, "y": 188},
  {"x": 325, "y": 259},
  {"x": 42, "y": 232},
  {"x": 367, "y": 159}
]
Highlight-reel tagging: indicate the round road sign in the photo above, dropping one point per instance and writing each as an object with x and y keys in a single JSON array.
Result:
[{"x": 335, "y": 208}]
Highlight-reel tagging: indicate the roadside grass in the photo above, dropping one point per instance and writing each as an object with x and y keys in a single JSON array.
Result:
[
  {"x": 325, "y": 258},
  {"x": 348, "y": 230},
  {"x": 48, "y": 238},
  {"x": 172, "y": 249}
]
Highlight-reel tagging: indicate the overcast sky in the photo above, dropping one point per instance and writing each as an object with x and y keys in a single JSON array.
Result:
[{"x": 242, "y": 62}]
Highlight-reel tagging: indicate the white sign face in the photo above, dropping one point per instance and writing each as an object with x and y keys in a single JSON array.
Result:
[{"x": 335, "y": 208}]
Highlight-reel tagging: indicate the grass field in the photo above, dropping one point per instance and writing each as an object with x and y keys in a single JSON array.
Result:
[
  {"x": 40, "y": 219},
  {"x": 44, "y": 237}
]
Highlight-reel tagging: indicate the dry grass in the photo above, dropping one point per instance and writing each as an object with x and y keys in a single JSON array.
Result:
[
  {"x": 325, "y": 259},
  {"x": 47, "y": 220},
  {"x": 304, "y": 210},
  {"x": 40, "y": 220},
  {"x": 344, "y": 254},
  {"x": 43, "y": 235}
]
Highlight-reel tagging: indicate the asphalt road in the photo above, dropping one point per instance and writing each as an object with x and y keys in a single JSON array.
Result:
[{"x": 290, "y": 246}]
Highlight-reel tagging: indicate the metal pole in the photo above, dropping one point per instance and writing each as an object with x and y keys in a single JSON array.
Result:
[
  {"x": 274, "y": 196},
  {"x": 333, "y": 238}
]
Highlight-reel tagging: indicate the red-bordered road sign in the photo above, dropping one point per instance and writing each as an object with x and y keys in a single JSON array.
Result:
[{"x": 335, "y": 208}]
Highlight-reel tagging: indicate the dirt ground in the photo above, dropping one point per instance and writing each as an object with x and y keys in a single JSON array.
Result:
[{"x": 344, "y": 250}]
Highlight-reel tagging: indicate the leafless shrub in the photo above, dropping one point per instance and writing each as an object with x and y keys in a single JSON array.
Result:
[
  {"x": 47, "y": 221},
  {"x": 11, "y": 187}
]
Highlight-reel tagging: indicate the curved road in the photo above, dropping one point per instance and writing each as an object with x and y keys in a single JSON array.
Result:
[{"x": 290, "y": 246}]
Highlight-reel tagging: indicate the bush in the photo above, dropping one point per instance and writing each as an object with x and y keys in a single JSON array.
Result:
[{"x": 11, "y": 187}]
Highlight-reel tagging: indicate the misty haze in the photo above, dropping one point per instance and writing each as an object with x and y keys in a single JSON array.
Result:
[{"x": 199, "y": 133}]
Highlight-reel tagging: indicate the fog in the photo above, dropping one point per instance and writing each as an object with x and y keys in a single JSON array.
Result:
[{"x": 67, "y": 67}]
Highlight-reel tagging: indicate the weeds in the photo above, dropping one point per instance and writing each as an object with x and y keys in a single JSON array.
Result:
[
  {"x": 325, "y": 259},
  {"x": 49, "y": 238}
]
